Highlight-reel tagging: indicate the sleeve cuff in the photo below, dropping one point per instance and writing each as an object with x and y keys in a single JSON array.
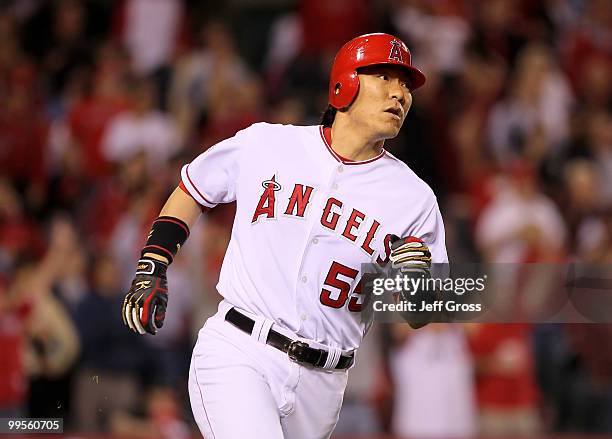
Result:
[{"x": 189, "y": 187}]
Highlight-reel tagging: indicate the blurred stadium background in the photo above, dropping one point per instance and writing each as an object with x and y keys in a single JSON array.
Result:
[{"x": 103, "y": 101}]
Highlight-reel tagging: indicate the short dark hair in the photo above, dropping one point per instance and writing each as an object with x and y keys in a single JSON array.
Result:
[{"x": 328, "y": 116}]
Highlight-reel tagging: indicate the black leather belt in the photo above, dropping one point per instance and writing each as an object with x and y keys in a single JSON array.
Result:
[{"x": 297, "y": 351}]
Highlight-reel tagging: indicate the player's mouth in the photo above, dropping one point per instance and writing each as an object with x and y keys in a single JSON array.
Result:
[{"x": 396, "y": 112}]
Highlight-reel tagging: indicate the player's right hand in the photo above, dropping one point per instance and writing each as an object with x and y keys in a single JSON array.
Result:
[{"x": 144, "y": 307}]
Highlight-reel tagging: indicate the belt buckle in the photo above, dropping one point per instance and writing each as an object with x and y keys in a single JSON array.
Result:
[{"x": 295, "y": 349}]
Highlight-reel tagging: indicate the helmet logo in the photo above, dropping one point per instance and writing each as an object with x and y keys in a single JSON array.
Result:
[{"x": 395, "y": 53}]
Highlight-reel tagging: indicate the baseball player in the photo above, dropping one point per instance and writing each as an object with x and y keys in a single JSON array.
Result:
[{"x": 312, "y": 204}]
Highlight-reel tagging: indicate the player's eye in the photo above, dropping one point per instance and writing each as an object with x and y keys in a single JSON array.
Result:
[{"x": 383, "y": 77}]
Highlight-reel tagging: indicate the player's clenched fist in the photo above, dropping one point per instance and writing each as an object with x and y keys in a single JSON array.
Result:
[
  {"x": 410, "y": 254},
  {"x": 412, "y": 257},
  {"x": 144, "y": 307}
]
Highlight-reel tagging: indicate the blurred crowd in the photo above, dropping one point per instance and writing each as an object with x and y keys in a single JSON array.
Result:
[{"x": 103, "y": 101}]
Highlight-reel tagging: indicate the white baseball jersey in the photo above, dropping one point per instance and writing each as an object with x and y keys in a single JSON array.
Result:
[{"x": 306, "y": 219}]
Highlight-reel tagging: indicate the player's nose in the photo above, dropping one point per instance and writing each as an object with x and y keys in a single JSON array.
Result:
[{"x": 397, "y": 91}]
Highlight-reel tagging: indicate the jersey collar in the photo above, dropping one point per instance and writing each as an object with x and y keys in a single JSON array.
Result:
[{"x": 326, "y": 137}]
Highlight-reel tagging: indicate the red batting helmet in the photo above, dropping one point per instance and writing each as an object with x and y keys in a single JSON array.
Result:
[{"x": 367, "y": 50}]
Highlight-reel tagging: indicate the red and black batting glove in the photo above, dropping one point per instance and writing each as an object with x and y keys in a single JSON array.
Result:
[
  {"x": 144, "y": 307},
  {"x": 410, "y": 254}
]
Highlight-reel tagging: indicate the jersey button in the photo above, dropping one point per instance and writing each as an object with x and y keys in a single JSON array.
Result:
[
  {"x": 340, "y": 168},
  {"x": 335, "y": 186},
  {"x": 315, "y": 240},
  {"x": 304, "y": 279},
  {"x": 303, "y": 317}
]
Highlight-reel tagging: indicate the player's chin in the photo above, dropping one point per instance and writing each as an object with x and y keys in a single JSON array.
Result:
[{"x": 391, "y": 129}]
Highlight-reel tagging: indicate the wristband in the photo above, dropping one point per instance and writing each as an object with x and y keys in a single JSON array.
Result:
[
  {"x": 166, "y": 237},
  {"x": 151, "y": 267}
]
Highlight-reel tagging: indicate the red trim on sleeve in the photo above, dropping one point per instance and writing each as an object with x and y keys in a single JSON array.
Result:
[
  {"x": 184, "y": 188},
  {"x": 194, "y": 186}
]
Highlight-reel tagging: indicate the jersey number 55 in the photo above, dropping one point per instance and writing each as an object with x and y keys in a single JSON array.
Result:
[{"x": 332, "y": 280}]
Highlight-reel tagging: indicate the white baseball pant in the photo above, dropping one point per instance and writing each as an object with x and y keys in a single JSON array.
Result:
[{"x": 241, "y": 388}]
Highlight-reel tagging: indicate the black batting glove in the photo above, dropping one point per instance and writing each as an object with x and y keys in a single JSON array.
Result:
[{"x": 144, "y": 307}]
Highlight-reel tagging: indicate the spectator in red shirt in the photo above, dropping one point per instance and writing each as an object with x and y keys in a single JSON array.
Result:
[
  {"x": 90, "y": 116},
  {"x": 23, "y": 139},
  {"x": 226, "y": 116},
  {"x": 23, "y": 130},
  {"x": 590, "y": 40},
  {"x": 13, "y": 385},
  {"x": 505, "y": 384}
]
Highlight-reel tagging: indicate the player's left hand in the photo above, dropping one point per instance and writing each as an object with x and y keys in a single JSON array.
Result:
[
  {"x": 144, "y": 307},
  {"x": 412, "y": 257},
  {"x": 410, "y": 254}
]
